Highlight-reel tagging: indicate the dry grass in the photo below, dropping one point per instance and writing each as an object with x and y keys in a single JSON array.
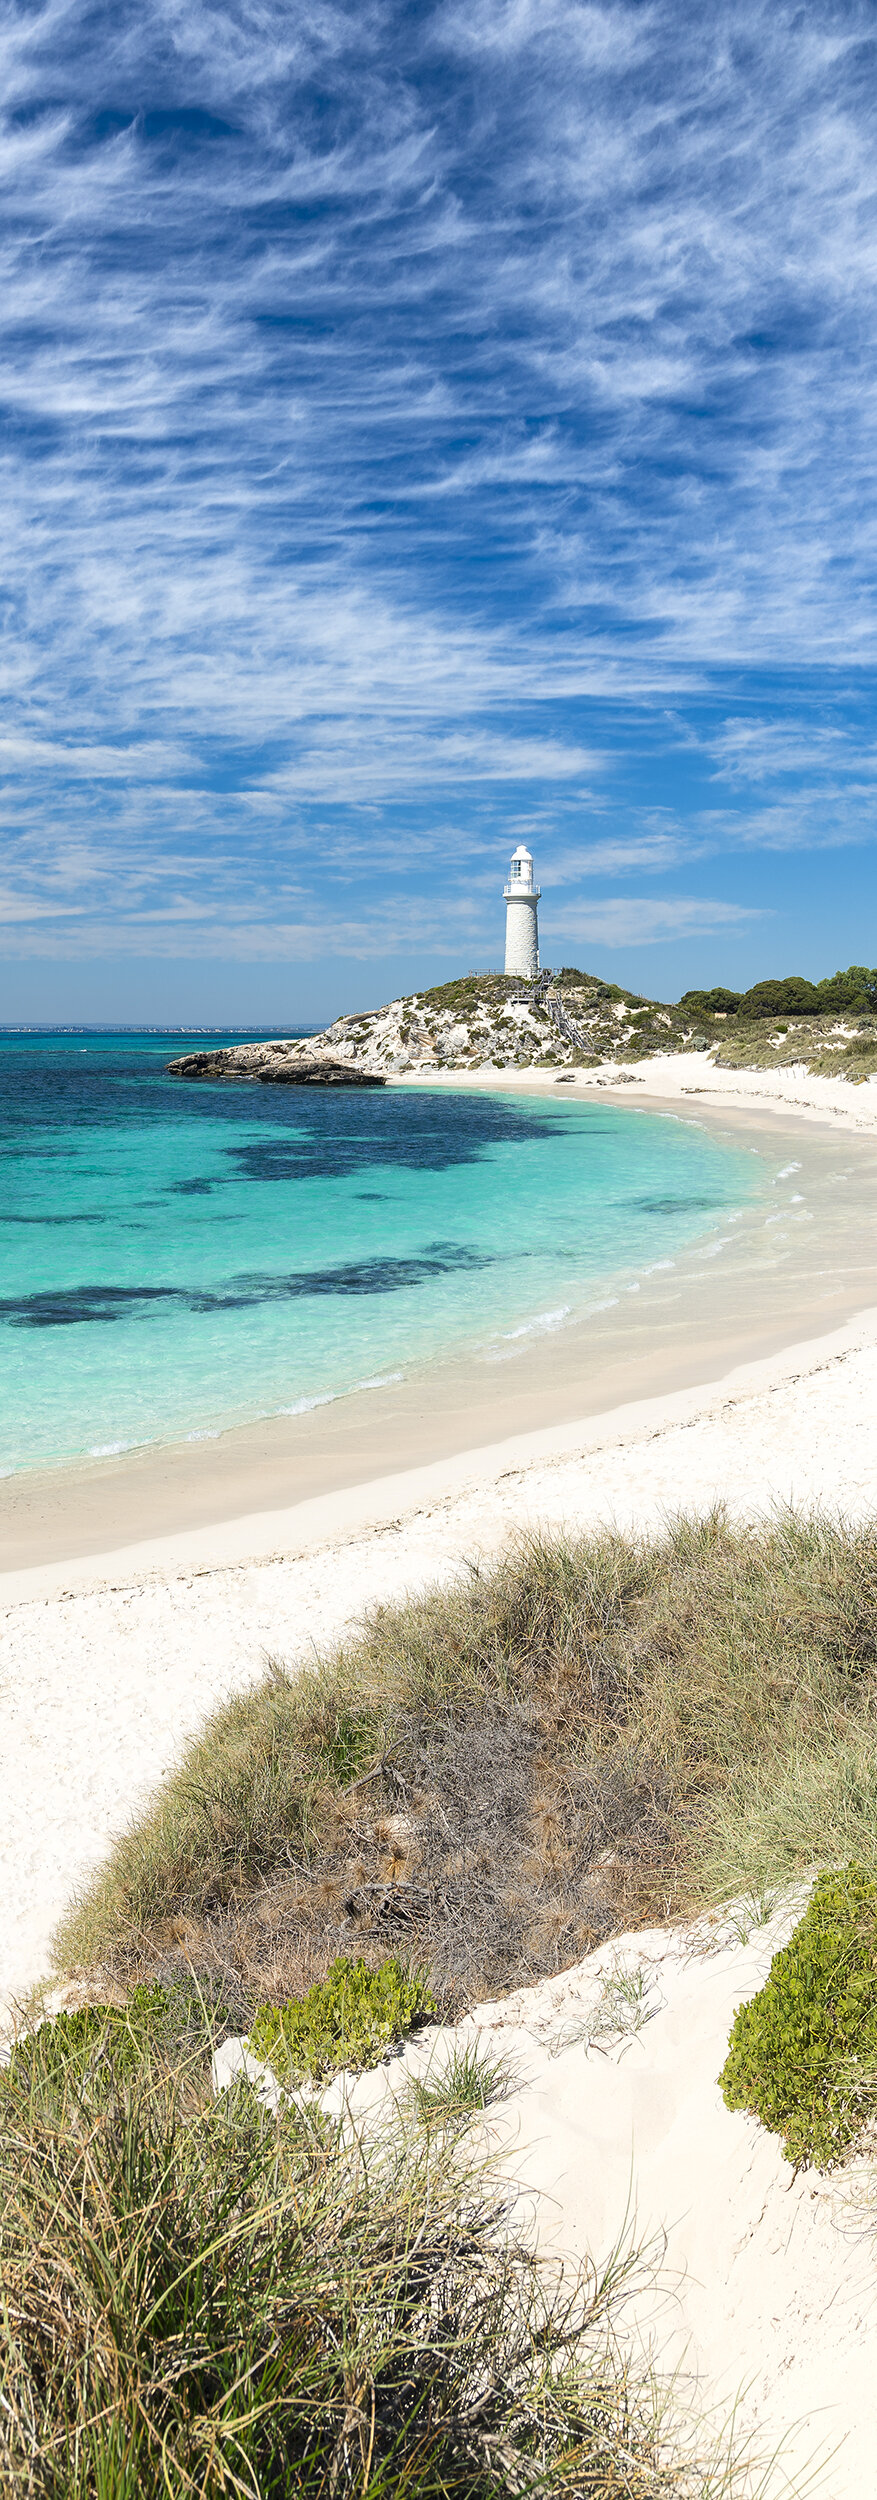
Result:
[
  {"x": 788, "y": 1041},
  {"x": 592, "y": 1736},
  {"x": 197, "y": 2298}
]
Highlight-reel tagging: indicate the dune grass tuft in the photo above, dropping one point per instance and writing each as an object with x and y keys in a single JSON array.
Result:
[
  {"x": 594, "y": 1735},
  {"x": 198, "y": 2297},
  {"x": 470, "y": 2079}
]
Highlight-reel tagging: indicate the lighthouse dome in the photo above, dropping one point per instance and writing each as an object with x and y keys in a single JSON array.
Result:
[{"x": 521, "y": 870}]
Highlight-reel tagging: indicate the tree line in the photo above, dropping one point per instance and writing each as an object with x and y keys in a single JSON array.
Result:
[{"x": 854, "y": 990}]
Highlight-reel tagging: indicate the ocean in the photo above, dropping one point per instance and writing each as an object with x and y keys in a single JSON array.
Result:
[{"x": 176, "y": 1258}]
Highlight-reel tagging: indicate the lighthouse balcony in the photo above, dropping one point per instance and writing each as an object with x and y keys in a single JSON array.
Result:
[{"x": 517, "y": 892}]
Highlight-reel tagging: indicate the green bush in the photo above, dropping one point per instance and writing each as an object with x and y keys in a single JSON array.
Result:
[
  {"x": 792, "y": 996},
  {"x": 348, "y": 2019},
  {"x": 856, "y": 988},
  {"x": 104, "y": 2040},
  {"x": 802, "y": 2054},
  {"x": 718, "y": 1002},
  {"x": 88, "y": 2038}
]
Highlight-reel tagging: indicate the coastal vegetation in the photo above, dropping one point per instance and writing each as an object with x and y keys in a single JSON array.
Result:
[
  {"x": 851, "y": 992},
  {"x": 200, "y": 2296},
  {"x": 594, "y": 1735},
  {"x": 202, "y": 2293},
  {"x": 347, "y": 2019},
  {"x": 803, "y": 2054}
]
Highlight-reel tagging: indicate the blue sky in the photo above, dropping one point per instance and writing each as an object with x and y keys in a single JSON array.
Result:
[{"x": 424, "y": 428}]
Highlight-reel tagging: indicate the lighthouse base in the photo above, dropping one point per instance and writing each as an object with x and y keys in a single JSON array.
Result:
[{"x": 522, "y": 936}]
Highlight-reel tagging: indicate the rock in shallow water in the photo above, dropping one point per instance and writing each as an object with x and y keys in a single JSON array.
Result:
[{"x": 254, "y": 1064}]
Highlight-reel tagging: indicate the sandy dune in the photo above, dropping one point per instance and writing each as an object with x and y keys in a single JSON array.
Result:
[{"x": 761, "y": 2295}]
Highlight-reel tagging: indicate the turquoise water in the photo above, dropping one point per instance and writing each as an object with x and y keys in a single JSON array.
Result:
[{"x": 177, "y": 1258}]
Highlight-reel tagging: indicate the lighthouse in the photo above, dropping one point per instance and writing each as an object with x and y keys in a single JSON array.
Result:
[{"x": 521, "y": 917}]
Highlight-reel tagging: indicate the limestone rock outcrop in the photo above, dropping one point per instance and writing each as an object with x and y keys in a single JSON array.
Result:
[{"x": 271, "y": 1063}]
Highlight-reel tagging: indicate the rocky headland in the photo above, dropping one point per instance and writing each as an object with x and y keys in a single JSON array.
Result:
[{"x": 564, "y": 1020}]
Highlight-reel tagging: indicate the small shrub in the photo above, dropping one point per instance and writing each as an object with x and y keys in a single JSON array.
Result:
[
  {"x": 348, "y": 2019},
  {"x": 717, "y": 1002},
  {"x": 103, "y": 2042},
  {"x": 803, "y": 2053},
  {"x": 73, "y": 2043},
  {"x": 93, "y": 2038}
]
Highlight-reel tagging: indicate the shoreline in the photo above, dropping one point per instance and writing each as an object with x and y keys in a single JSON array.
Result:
[
  {"x": 108, "y": 1670},
  {"x": 249, "y": 1486},
  {"x": 681, "y": 1076},
  {"x": 385, "y": 1503}
]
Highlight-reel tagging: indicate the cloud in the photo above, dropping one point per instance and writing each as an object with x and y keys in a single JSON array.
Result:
[
  {"x": 640, "y": 920},
  {"x": 445, "y": 409},
  {"x": 143, "y": 762},
  {"x": 620, "y": 856},
  {"x": 332, "y": 765},
  {"x": 754, "y": 750}
]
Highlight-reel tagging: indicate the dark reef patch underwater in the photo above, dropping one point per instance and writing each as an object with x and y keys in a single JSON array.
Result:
[{"x": 175, "y": 1259}]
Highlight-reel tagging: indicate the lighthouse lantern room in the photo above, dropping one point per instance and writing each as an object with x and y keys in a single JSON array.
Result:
[{"x": 521, "y": 917}]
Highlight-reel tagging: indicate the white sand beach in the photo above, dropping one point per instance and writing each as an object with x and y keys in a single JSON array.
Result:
[
  {"x": 110, "y": 1661},
  {"x": 692, "y": 1075}
]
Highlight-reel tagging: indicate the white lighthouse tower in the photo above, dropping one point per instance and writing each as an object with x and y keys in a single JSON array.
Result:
[{"x": 521, "y": 917}]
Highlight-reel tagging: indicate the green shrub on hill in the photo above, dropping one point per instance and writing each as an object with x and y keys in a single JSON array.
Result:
[
  {"x": 791, "y": 997},
  {"x": 850, "y": 992},
  {"x": 88, "y": 2049},
  {"x": 348, "y": 2019},
  {"x": 716, "y": 1002},
  {"x": 803, "y": 2054},
  {"x": 855, "y": 989}
]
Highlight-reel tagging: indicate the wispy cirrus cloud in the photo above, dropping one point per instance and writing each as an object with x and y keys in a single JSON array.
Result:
[
  {"x": 753, "y": 751},
  {"x": 417, "y": 416},
  {"x": 642, "y": 920}
]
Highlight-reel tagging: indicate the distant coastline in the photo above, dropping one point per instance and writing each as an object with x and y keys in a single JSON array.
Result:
[{"x": 155, "y": 1031}]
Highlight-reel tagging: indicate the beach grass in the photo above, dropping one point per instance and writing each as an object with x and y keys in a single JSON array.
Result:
[
  {"x": 201, "y": 2296},
  {"x": 595, "y": 1735},
  {"x": 813, "y": 1042},
  {"x": 471, "y": 2077}
]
